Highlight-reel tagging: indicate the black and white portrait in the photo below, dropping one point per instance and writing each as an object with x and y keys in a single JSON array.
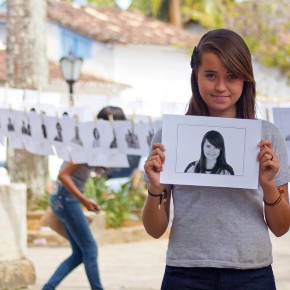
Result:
[
  {"x": 23, "y": 128},
  {"x": 212, "y": 158},
  {"x": 149, "y": 137},
  {"x": 28, "y": 129},
  {"x": 114, "y": 143},
  {"x": 76, "y": 139},
  {"x": 96, "y": 140},
  {"x": 10, "y": 125},
  {"x": 132, "y": 139},
  {"x": 44, "y": 131},
  {"x": 58, "y": 137}
]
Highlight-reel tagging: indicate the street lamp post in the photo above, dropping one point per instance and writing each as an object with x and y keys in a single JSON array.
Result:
[{"x": 71, "y": 68}]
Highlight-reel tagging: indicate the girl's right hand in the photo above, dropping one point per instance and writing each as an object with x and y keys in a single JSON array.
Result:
[
  {"x": 91, "y": 205},
  {"x": 154, "y": 164}
]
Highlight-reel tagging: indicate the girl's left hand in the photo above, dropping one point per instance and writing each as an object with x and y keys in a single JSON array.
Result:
[{"x": 269, "y": 163}]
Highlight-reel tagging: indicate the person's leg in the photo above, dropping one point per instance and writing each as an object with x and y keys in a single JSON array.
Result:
[
  {"x": 66, "y": 266},
  {"x": 71, "y": 262},
  {"x": 79, "y": 229},
  {"x": 250, "y": 279},
  {"x": 190, "y": 278}
]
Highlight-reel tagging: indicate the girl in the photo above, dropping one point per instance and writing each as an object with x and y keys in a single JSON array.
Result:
[
  {"x": 213, "y": 156},
  {"x": 219, "y": 236}
]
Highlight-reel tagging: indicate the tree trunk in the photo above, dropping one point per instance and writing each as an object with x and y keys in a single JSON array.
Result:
[
  {"x": 175, "y": 13},
  {"x": 27, "y": 68}
]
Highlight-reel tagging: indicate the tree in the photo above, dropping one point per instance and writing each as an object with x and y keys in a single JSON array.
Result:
[
  {"x": 27, "y": 68},
  {"x": 265, "y": 26}
]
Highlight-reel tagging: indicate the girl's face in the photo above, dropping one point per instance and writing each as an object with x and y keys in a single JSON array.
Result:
[
  {"x": 210, "y": 151},
  {"x": 219, "y": 88}
]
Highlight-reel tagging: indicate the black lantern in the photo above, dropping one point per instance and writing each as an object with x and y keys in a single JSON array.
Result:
[{"x": 71, "y": 69}]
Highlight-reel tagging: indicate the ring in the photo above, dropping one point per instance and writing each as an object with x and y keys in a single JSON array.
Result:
[{"x": 271, "y": 157}]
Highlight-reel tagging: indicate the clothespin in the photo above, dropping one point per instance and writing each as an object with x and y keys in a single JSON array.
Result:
[
  {"x": 132, "y": 119},
  {"x": 57, "y": 116},
  {"x": 38, "y": 97},
  {"x": 267, "y": 114},
  {"x": 150, "y": 121},
  {"x": 24, "y": 95},
  {"x": 111, "y": 119},
  {"x": 41, "y": 115},
  {"x": 5, "y": 93},
  {"x": 95, "y": 119},
  {"x": 76, "y": 117}
]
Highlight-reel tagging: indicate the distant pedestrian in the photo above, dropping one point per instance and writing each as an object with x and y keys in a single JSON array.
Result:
[{"x": 67, "y": 205}]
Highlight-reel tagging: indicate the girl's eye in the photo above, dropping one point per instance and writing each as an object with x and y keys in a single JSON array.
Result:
[
  {"x": 232, "y": 77},
  {"x": 210, "y": 76}
]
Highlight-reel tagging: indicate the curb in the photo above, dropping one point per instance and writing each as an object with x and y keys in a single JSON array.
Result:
[{"x": 47, "y": 237}]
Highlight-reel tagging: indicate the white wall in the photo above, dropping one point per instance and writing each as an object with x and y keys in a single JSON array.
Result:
[
  {"x": 101, "y": 62},
  {"x": 158, "y": 72},
  {"x": 13, "y": 238},
  {"x": 53, "y": 41}
]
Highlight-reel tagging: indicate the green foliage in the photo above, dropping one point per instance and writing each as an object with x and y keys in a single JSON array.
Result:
[
  {"x": 119, "y": 206},
  {"x": 41, "y": 203},
  {"x": 265, "y": 27},
  {"x": 102, "y": 3}
]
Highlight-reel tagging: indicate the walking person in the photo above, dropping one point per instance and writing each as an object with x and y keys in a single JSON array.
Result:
[
  {"x": 212, "y": 157},
  {"x": 67, "y": 205},
  {"x": 219, "y": 236}
]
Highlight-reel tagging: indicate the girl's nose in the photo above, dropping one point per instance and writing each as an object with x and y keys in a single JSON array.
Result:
[{"x": 220, "y": 85}]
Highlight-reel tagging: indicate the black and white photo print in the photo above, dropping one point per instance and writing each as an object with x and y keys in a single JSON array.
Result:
[{"x": 210, "y": 151}]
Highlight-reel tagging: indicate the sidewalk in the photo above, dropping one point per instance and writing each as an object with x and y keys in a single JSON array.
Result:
[{"x": 136, "y": 265}]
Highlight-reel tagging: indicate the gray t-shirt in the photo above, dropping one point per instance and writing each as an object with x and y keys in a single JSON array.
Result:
[
  {"x": 81, "y": 176},
  {"x": 223, "y": 227}
]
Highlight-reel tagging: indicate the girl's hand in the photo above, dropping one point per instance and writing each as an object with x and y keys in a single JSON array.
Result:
[
  {"x": 269, "y": 163},
  {"x": 91, "y": 205},
  {"x": 154, "y": 164}
]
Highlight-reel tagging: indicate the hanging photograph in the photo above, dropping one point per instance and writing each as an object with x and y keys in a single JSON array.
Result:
[
  {"x": 210, "y": 151},
  {"x": 96, "y": 141},
  {"x": 57, "y": 135},
  {"x": 128, "y": 134},
  {"x": 13, "y": 125},
  {"x": 37, "y": 140},
  {"x": 80, "y": 144},
  {"x": 281, "y": 118},
  {"x": 110, "y": 147}
]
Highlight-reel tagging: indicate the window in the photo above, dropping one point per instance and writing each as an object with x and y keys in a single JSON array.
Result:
[{"x": 78, "y": 44}]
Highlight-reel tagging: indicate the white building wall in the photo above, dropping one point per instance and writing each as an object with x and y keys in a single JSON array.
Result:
[
  {"x": 53, "y": 41},
  {"x": 157, "y": 73},
  {"x": 101, "y": 62}
]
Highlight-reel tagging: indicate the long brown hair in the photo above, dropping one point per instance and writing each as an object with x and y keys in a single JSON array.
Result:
[{"x": 235, "y": 55}]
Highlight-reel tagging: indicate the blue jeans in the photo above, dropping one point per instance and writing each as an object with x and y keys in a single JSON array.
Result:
[
  {"x": 181, "y": 278},
  {"x": 84, "y": 247}
]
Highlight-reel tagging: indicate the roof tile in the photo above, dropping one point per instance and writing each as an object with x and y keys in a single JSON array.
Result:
[{"x": 117, "y": 26}]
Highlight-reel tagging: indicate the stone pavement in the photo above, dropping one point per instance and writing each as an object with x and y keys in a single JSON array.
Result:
[{"x": 136, "y": 265}]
